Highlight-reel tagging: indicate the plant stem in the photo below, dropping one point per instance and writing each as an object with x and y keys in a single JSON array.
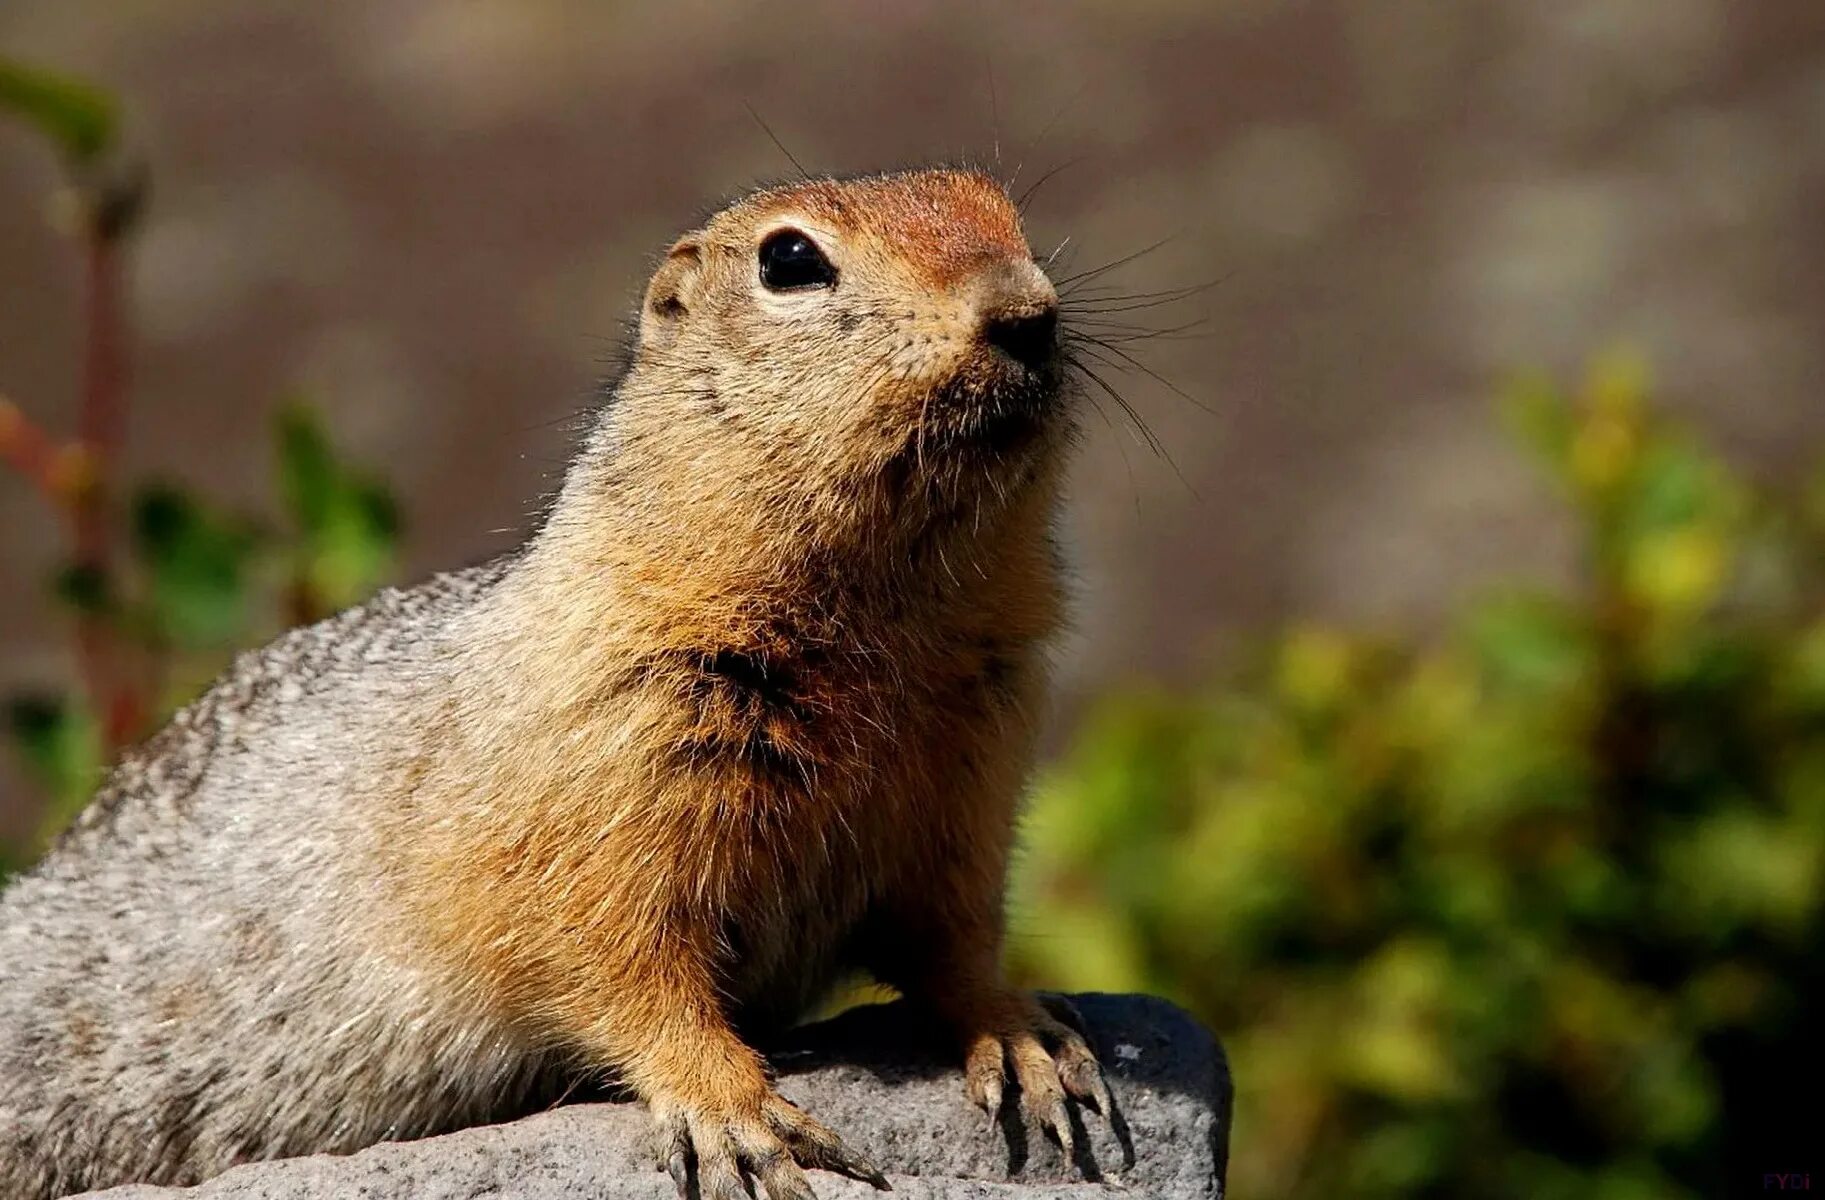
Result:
[
  {"x": 30, "y": 451},
  {"x": 103, "y": 389},
  {"x": 100, "y": 425}
]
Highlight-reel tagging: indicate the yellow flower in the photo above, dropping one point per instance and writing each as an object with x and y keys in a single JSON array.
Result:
[
  {"x": 1314, "y": 666},
  {"x": 1616, "y": 384},
  {"x": 1679, "y": 570},
  {"x": 1603, "y": 451}
]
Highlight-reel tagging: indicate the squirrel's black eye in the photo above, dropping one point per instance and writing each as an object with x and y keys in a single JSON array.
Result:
[{"x": 790, "y": 261}]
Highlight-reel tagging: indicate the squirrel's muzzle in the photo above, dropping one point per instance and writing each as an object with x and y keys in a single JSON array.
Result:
[{"x": 1017, "y": 312}]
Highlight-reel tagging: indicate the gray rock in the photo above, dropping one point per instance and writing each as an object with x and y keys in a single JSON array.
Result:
[{"x": 873, "y": 1075}]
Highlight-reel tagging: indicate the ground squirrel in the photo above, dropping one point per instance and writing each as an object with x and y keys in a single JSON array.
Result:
[{"x": 752, "y": 707}]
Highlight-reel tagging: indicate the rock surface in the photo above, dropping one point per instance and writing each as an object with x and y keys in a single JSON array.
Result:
[{"x": 871, "y": 1075}]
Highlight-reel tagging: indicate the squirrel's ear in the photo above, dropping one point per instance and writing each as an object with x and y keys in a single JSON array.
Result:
[{"x": 672, "y": 292}]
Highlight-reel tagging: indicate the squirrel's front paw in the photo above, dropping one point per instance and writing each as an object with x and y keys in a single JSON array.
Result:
[
  {"x": 770, "y": 1143},
  {"x": 1051, "y": 1060}
]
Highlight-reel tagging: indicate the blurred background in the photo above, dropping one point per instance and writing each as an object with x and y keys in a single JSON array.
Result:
[{"x": 1445, "y": 717}]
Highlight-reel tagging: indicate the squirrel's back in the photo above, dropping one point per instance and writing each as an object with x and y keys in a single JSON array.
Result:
[{"x": 206, "y": 917}]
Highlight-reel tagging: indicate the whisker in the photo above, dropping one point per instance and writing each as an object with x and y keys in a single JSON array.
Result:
[
  {"x": 1142, "y": 367},
  {"x": 1129, "y": 301},
  {"x": 994, "y": 113},
  {"x": 1134, "y": 490},
  {"x": 1026, "y": 197},
  {"x": 580, "y": 418},
  {"x": 925, "y": 404},
  {"x": 1110, "y": 266},
  {"x": 1142, "y": 430},
  {"x": 766, "y": 129},
  {"x": 1128, "y": 331},
  {"x": 1040, "y": 141},
  {"x": 1153, "y": 442}
]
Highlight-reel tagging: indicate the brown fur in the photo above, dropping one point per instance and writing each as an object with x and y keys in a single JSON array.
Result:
[
  {"x": 754, "y": 707},
  {"x": 768, "y": 718}
]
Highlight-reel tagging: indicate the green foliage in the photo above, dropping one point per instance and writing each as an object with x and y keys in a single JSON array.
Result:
[
  {"x": 346, "y": 523},
  {"x": 152, "y": 628},
  {"x": 195, "y": 566},
  {"x": 79, "y": 117},
  {"x": 58, "y": 745},
  {"x": 1531, "y": 909},
  {"x": 203, "y": 581}
]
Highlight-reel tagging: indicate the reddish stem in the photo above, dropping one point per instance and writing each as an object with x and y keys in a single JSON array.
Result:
[
  {"x": 31, "y": 452},
  {"x": 99, "y": 430},
  {"x": 104, "y": 386}
]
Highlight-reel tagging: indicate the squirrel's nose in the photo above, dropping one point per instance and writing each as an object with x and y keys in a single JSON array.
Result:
[
  {"x": 1019, "y": 313},
  {"x": 1029, "y": 338}
]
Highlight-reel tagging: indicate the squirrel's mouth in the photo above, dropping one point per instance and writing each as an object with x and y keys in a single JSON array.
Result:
[
  {"x": 1006, "y": 425},
  {"x": 994, "y": 409},
  {"x": 1004, "y": 392}
]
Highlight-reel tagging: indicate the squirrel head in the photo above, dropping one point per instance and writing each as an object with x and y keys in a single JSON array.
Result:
[{"x": 846, "y": 358}]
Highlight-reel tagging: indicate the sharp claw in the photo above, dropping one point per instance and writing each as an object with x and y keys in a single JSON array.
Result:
[
  {"x": 991, "y": 1099},
  {"x": 674, "y": 1154},
  {"x": 1105, "y": 1103},
  {"x": 1084, "y": 1080},
  {"x": 1059, "y": 1119},
  {"x": 722, "y": 1181},
  {"x": 786, "y": 1183},
  {"x": 868, "y": 1172},
  {"x": 815, "y": 1146},
  {"x": 852, "y": 1164}
]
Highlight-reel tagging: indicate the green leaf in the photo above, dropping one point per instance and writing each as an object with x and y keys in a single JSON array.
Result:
[
  {"x": 1539, "y": 417},
  {"x": 1529, "y": 644},
  {"x": 1812, "y": 499},
  {"x": 196, "y": 566},
  {"x": 307, "y": 468},
  {"x": 79, "y": 117},
  {"x": 59, "y": 746},
  {"x": 84, "y": 589},
  {"x": 359, "y": 538},
  {"x": 1675, "y": 485},
  {"x": 348, "y": 524}
]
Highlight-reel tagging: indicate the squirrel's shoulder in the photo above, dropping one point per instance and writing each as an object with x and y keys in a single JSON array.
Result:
[{"x": 392, "y": 625}]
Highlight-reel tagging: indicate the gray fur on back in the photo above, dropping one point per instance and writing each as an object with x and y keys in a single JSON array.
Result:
[{"x": 187, "y": 981}]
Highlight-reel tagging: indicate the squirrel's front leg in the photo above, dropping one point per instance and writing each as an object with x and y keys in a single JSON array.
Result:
[
  {"x": 944, "y": 952},
  {"x": 715, "y": 1111},
  {"x": 1041, "y": 1038}
]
